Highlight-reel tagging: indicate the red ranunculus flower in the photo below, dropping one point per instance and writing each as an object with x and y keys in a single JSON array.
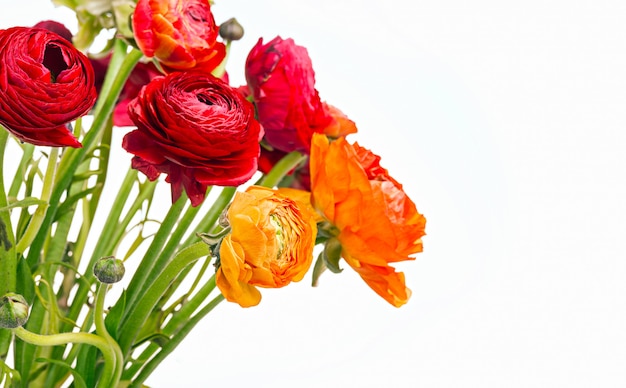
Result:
[
  {"x": 281, "y": 79},
  {"x": 45, "y": 83},
  {"x": 196, "y": 129},
  {"x": 181, "y": 34}
]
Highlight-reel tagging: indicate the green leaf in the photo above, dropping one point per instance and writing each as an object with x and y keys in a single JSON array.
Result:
[
  {"x": 113, "y": 318},
  {"x": 332, "y": 255},
  {"x": 26, "y": 202},
  {"x": 318, "y": 269},
  {"x": 86, "y": 364},
  {"x": 73, "y": 199},
  {"x": 79, "y": 382},
  {"x": 25, "y": 283}
]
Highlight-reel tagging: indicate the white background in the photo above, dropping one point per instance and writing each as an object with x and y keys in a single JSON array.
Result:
[{"x": 505, "y": 122}]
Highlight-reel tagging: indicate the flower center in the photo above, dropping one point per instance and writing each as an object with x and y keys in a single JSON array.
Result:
[
  {"x": 53, "y": 60},
  {"x": 279, "y": 234}
]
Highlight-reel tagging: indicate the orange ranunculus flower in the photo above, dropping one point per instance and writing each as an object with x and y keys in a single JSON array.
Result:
[
  {"x": 377, "y": 222},
  {"x": 181, "y": 34},
  {"x": 270, "y": 243}
]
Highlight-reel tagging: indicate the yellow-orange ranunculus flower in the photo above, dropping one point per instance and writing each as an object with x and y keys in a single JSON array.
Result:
[
  {"x": 270, "y": 244},
  {"x": 377, "y": 222}
]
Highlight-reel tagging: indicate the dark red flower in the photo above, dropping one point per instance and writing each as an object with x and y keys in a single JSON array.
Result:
[
  {"x": 282, "y": 81},
  {"x": 196, "y": 129},
  {"x": 45, "y": 83}
]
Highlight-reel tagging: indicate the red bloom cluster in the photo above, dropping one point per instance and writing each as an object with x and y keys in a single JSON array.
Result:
[{"x": 199, "y": 131}]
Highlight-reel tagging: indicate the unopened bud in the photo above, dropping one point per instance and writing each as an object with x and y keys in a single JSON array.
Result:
[
  {"x": 109, "y": 270},
  {"x": 13, "y": 311},
  {"x": 231, "y": 30}
]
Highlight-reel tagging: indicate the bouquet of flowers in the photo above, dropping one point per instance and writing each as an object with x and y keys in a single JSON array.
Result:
[{"x": 265, "y": 188}]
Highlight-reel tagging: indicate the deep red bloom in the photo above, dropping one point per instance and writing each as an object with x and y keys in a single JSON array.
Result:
[
  {"x": 196, "y": 129},
  {"x": 45, "y": 83},
  {"x": 181, "y": 34},
  {"x": 282, "y": 81}
]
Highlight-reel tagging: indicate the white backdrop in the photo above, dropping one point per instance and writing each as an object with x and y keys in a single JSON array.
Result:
[{"x": 506, "y": 125}]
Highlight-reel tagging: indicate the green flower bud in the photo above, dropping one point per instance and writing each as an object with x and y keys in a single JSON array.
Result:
[
  {"x": 109, "y": 270},
  {"x": 231, "y": 30},
  {"x": 13, "y": 311}
]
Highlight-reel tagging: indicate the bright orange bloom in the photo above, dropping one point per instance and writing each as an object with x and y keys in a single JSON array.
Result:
[
  {"x": 181, "y": 34},
  {"x": 270, "y": 243},
  {"x": 377, "y": 222}
]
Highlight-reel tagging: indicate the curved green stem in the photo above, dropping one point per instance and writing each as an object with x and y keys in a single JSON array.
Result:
[
  {"x": 38, "y": 217},
  {"x": 140, "y": 311},
  {"x": 174, "y": 342},
  {"x": 173, "y": 325},
  {"x": 102, "y": 331},
  {"x": 282, "y": 168},
  {"x": 77, "y": 338}
]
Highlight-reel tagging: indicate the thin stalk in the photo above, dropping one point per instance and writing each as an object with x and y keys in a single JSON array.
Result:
[
  {"x": 102, "y": 331},
  {"x": 174, "y": 342},
  {"x": 140, "y": 311},
  {"x": 137, "y": 287},
  {"x": 18, "y": 179},
  {"x": 8, "y": 257},
  {"x": 104, "y": 245},
  {"x": 178, "y": 318},
  {"x": 40, "y": 212},
  {"x": 76, "y": 338},
  {"x": 282, "y": 168}
]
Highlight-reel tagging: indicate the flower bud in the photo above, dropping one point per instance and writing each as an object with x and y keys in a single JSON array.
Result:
[
  {"x": 231, "y": 30},
  {"x": 13, "y": 311},
  {"x": 109, "y": 270}
]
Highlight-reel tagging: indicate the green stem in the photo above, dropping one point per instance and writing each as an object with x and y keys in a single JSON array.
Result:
[
  {"x": 102, "y": 331},
  {"x": 104, "y": 246},
  {"x": 282, "y": 168},
  {"x": 76, "y": 338},
  {"x": 174, "y": 342},
  {"x": 139, "y": 312},
  {"x": 18, "y": 179},
  {"x": 138, "y": 286},
  {"x": 40, "y": 212},
  {"x": 173, "y": 325},
  {"x": 8, "y": 257}
]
